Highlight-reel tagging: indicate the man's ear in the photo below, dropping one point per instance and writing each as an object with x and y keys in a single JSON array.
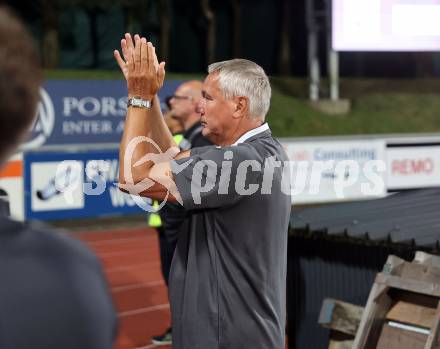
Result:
[{"x": 241, "y": 107}]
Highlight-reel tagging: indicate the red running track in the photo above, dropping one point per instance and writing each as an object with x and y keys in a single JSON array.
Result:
[
  {"x": 130, "y": 258},
  {"x": 131, "y": 262}
]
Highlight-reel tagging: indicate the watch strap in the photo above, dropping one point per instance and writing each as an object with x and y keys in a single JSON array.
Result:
[{"x": 138, "y": 102}]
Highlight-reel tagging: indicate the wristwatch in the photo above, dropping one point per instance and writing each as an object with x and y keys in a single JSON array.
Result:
[{"x": 138, "y": 102}]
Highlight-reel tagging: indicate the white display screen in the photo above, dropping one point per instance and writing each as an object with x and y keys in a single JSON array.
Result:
[{"x": 386, "y": 25}]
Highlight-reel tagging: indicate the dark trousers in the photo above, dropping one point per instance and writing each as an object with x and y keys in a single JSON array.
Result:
[{"x": 166, "y": 249}]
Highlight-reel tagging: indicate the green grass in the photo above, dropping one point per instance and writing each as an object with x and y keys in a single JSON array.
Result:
[
  {"x": 370, "y": 114},
  {"x": 377, "y": 105}
]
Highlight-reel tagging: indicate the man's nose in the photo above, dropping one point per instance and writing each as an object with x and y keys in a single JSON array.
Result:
[{"x": 200, "y": 108}]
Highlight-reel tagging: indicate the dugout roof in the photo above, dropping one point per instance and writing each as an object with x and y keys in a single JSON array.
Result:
[{"x": 410, "y": 217}]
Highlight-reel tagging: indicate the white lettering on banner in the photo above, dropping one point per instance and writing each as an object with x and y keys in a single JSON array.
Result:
[
  {"x": 122, "y": 103},
  {"x": 347, "y": 174},
  {"x": 108, "y": 169},
  {"x": 87, "y": 127},
  {"x": 95, "y": 170},
  {"x": 69, "y": 103},
  {"x": 91, "y": 106},
  {"x": 406, "y": 167},
  {"x": 299, "y": 173},
  {"x": 44, "y": 122},
  {"x": 108, "y": 106},
  {"x": 113, "y": 173},
  {"x": 319, "y": 170},
  {"x": 120, "y": 198},
  {"x": 376, "y": 185},
  {"x": 120, "y": 127}
]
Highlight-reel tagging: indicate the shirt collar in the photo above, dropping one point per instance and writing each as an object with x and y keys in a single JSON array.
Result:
[{"x": 251, "y": 133}]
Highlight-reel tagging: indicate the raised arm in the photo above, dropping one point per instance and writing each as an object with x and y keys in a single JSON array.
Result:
[
  {"x": 159, "y": 132},
  {"x": 147, "y": 145}
]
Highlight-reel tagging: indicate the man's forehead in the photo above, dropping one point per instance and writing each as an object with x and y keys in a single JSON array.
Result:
[
  {"x": 210, "y": 84},
  {"x": 211, "y": 77},
  {"x": 190, "y": 87},
  {"x": 183, "y": 88}
]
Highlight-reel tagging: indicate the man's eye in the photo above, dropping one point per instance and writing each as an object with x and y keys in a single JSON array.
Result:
[{"x": 206, "y": 96}]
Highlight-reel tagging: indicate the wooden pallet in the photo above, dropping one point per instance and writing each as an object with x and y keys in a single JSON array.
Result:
[
  {"x": 343, "y": 321},
  {"x": 403, "y": 308}
]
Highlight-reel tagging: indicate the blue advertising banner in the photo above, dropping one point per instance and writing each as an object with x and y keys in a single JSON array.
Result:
[
  {"x": 65, "y": 185},
  {"x": 83, "y": 112}
]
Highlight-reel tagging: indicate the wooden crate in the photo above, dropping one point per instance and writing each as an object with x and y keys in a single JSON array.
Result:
[
  {"x": 343, "y": 321},
  {"x": 403, "y": 309}
]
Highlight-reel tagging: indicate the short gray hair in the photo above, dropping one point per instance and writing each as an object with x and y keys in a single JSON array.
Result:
[{"x": 241, "y": 77}]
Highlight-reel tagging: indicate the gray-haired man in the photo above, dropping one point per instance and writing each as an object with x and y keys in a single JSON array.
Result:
[{"x": 227, "y": 282}]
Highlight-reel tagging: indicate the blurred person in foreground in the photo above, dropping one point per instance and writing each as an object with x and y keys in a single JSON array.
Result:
[
  {"x": 53, "y": 293},
  {"x": 183, "y": 108},
  {"x": 228, "y": 275}
]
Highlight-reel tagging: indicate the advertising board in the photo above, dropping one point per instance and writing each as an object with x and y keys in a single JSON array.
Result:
[
  {"x": 386, "y": 25},
  {"x": 83, "y": 112},
  {"x": 413, "y": 167},
  {"x": 329, "y": 171},
  {"x": 65, "y": 185},
  {"x": 11, "y": 186}
]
